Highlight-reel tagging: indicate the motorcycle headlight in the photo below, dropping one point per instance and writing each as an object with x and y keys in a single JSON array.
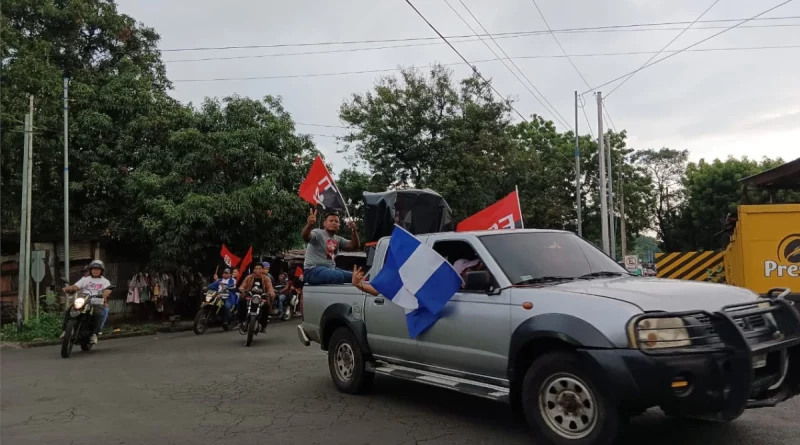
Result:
[
  {"x": 79, "y": 302},
  {"x": 256, "y": 299},
  {"x": 208, "y": 297},
  {"x": 659, "y": 333}
]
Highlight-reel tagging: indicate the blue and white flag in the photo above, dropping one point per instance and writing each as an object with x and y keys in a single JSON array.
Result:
[{"x": 416, "y": 278}]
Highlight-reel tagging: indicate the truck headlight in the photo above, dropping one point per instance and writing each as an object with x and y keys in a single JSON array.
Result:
[
  {"x": 659, "y": 333},
  {"x": 79, "y": 302}
]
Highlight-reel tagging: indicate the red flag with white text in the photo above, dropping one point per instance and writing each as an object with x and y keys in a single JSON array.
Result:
[
  {"x": 504, "y": 214},
  {"x": 228, "y": 257},
  {"x": 319, "y": 189},
  {"x": 248, "y": 258}
]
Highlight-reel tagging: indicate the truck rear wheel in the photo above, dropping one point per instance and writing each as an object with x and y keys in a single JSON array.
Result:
[
  {"x": 564, "y": 405},
  {"x": 346, "y": 363}
]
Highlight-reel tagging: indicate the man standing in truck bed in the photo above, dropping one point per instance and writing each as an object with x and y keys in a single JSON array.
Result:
[{"x": 322, "y": 248}]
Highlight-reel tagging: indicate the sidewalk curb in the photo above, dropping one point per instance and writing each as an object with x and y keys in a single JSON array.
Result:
[{"x": 36, "y": 344}]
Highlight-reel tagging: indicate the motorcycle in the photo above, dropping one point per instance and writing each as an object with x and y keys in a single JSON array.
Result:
[
  {"x": 289, "y": 304},
  {"x": 255, "y": 304},
  {"x": 80, "y": 324},
  {"x": 210, "y": 309}
]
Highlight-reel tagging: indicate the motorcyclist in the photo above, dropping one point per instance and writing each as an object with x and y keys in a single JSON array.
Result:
[
  {"x": 259, "y": 278},
  {"x": 228, "y": 281},
  {"x": 92, "y": 285}
]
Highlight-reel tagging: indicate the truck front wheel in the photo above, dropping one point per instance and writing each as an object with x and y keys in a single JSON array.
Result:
[
  {"x": 564, "y": 405},
  {"x": 347, "y": 364}
]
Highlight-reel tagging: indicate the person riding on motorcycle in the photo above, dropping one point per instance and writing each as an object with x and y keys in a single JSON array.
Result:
[
  {"x": 92, "y": 285},
  {"x": 228, "y": 281},
  {"x": 259, "y": 278}
]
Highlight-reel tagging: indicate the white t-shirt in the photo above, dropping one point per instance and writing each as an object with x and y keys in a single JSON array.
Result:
[{"x": 92, "y": 286}]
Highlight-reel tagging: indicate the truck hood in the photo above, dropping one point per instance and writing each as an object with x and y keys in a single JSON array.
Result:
[{"x": 656, "y": 294}]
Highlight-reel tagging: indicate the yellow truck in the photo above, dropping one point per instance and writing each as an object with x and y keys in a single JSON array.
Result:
[{"x": 764, "y": 249}]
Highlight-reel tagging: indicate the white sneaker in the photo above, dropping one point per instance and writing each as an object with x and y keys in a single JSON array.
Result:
[{"x": 93, "y": 340}]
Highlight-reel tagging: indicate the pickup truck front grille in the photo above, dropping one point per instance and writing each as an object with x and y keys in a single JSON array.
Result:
[
  {"x": 760, "y": 325},
  {"x": 747, "y": 324}
]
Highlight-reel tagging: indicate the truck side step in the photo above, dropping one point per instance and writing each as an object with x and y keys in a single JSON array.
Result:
[{"x": 471, "y": 387}]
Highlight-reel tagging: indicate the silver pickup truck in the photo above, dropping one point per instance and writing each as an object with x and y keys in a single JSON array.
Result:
[{"x": 560, "y": 331}]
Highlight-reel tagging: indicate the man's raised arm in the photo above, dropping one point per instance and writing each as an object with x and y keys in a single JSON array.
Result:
[{"x": 310, "y": 223}]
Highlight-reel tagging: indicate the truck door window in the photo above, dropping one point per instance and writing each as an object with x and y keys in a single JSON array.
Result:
[{"x": 456, "y": 250}]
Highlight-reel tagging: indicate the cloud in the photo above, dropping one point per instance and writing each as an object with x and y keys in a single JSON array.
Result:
[{"x": 712, "y": 103}]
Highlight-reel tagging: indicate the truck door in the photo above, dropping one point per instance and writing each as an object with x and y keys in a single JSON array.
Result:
[
  {"x": 387, "y": 333},
  {"x": 474, "y": 332}
]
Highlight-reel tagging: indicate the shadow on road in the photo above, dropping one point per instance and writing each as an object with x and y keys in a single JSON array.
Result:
[{"x": 652, "y": 428}]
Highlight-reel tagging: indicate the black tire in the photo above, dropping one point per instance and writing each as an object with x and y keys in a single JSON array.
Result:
[
  {"x": 350, "y": 381},
  {"x": 86, "y": 346},
  {"x": 591, "y": 417},
  {"x": 251, "y": 330},
  {"x": 200, "y": 321},
  {"x": 66, "y": 342}
]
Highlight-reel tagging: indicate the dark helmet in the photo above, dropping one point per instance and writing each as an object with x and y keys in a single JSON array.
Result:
[{"x": 97, "y": 264}]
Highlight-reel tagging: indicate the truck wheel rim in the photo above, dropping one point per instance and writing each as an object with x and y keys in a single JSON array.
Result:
[
  {"x": 344, "y": 362},
  {"x": 568, "y": 406}
]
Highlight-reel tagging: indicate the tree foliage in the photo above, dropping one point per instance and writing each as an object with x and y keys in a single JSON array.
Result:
[
  {"x": 425, "y": 130},
  {"x": 167, "y": 182}
]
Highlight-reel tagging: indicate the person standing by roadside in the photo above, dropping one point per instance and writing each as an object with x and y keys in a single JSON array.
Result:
[{"x": 322, "y": 248}]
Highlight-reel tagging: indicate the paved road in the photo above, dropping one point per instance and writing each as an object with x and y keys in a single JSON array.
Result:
[{"x": 183, "y": 389}]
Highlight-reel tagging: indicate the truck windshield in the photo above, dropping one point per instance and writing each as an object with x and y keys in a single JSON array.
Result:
[{"x": 527, "y": 257}]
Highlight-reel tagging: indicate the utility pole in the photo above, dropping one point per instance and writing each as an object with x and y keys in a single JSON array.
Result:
[
  {"x": 601, "y": 159},
  {"x": 23, "y": 218},
  {"x": 611, "y": 222},
  {"x": 66, "y": 179},
  {"x": 29, "y": 209},
  {"x": 577, "y": 170},
  {"x": 621, "y": 198}
]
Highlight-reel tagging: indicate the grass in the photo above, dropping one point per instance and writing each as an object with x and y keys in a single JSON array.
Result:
[{"x": 48, "y": 327}]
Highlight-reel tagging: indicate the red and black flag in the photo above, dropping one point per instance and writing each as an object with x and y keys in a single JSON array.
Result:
[
  {"x": 504, "y": 214},
  {"x": 228, "y": 257},
  {"x": 319, "y": 189}
]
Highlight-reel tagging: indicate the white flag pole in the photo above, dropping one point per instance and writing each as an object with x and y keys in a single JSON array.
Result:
[{"x": 519, "y": 205}]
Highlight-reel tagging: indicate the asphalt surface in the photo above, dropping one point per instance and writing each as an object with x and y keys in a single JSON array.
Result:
[{"x": 185, "y": 389}]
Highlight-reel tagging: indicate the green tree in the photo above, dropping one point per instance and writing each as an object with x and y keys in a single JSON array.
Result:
[
  {"x": 425, "y": 130},
  {"x": 666, "y": 167},
  {"x": 231, "y": 177},
  {"x": 713, "y": 192}
]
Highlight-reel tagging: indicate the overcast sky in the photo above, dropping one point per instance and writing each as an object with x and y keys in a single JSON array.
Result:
[{"x": 713, "y": 103}]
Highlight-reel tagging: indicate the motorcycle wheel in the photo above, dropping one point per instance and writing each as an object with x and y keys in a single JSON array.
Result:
[
  {"x": 200, "y": 322},
  {"x": 251, "y": 330},
  {"x": 66, "y": 342}
]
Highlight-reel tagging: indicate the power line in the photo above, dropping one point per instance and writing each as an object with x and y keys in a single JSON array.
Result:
[
  {"x": 474, "y": 70},
  {"x": 559, "y": 43},
  {"x": 586, "y": 116},
  {"x": 544, "y": 56},
  {"x": 515, "y": 65},
  {"x": 320, "y": 125},
  {"x": 511, "y": 34},
  {"x": 662, "y": 49},
  {"x": 554, "y": 112},
  {"x": 689, "y": 47},
  {"x": 608, "y": 117},
  {"x": 386, "y": 70}
]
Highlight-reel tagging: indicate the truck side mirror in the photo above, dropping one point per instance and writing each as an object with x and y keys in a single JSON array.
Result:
[{"x": 480, "y": 280}]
